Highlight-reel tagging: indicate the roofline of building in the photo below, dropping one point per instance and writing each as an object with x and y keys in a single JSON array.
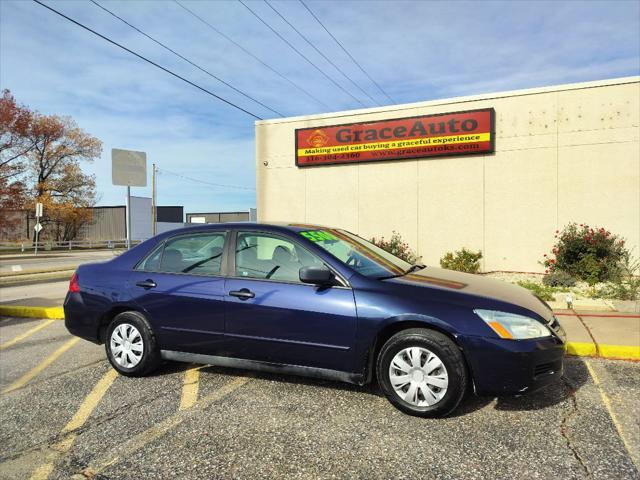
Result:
[
  {"x": 124, "y": 206},
  {"x": 455, "y": 100},
  {"x": 217, "y": 213}
]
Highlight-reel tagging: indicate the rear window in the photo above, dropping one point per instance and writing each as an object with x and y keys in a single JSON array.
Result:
[{"x": 198, "y": 254}]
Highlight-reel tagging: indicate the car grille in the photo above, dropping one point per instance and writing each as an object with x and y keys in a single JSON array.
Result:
[{"x": 546, "y": 368}]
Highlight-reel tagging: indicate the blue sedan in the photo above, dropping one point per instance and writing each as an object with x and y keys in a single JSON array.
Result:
[{"x": 320, "y": 302}]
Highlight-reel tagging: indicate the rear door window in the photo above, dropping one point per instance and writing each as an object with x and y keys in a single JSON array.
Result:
[{"x": 198, "y": 254}]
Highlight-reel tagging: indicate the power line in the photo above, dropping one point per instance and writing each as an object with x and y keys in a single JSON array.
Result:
[
  {"x": 346, "y": 51},
  {"x": 320, "y": 52},
  {"x": 113, "y": 42},
  {"x": 281, "y": 75},
  {"x": 162, "y": 170},
  {"x": 186, "y": 59},
  {"x": 300, "y": 53}
]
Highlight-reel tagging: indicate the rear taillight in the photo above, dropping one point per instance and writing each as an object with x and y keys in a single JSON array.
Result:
[{"x": 74, "y": 286}]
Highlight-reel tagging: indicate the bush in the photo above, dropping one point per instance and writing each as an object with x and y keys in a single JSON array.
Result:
[
  {"x": 396, "y": 246},
  {"x": 542, "y": 291},
  {"x": 592, "y": 255},
  {"x": 558, "y": 279},
  {"x": 628, "y": 286},
  {"x": 462, "y": 260}
]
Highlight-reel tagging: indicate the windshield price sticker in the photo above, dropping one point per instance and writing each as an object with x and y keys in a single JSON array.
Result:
[
  {"x": 442, "y": 134},
  {"x": 318, "y": 236}
]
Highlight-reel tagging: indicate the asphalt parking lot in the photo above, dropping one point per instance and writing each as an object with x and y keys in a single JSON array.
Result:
[{"x": 65, "y": 414}]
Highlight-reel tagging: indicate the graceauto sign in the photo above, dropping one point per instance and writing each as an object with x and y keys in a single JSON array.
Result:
[{"x": 457, "y": 133}]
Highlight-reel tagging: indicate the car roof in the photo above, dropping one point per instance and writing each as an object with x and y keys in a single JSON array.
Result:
[{"x": 271, "y": 226}]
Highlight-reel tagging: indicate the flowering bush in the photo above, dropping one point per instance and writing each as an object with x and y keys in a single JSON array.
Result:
[
  {"x": 590, "y": 254},
  {"x": 398, "y": 247},
  {"x": 463, "y": 261},
  {"x": 628, "y": 286}
]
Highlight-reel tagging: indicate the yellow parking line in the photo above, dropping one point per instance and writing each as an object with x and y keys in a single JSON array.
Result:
[
  {"x": 614, "y": 418},
  {"x": 190, "y": 388},
  {"x": 24, "y": 335},
  {"x": 86, "y": 408},
  {"x": 27, "y": 377},
  {"x": 142, "y": 439}
]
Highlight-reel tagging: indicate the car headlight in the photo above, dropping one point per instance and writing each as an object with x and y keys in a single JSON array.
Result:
[{"x": 512, "y": 326}]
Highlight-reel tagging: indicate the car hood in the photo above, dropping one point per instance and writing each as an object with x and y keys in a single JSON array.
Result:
[{"x": 476, "y": 285}]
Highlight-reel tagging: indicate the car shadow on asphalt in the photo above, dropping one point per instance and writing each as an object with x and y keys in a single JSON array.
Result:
[{"x": 575, "y": 376}]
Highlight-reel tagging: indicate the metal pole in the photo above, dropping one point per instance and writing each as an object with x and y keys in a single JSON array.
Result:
[
  {"x": 154, "y": 217},
  {"x": 128, "y": 217},
  {"x": 37, "y": 234}
]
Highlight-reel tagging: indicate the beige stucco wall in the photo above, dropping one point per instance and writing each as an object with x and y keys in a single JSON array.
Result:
[{"x": 565, "y": 153}]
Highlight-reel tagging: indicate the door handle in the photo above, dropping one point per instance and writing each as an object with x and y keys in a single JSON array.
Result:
[
  {"x": 147, "y": 284},
  {"x": 244, "y": 294}
]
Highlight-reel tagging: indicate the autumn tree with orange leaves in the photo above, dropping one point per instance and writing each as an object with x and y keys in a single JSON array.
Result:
[
  {"x": 59, "y": 183},
  {"x": 15, "y": 121},
  {"x": 40, "y": 161}
]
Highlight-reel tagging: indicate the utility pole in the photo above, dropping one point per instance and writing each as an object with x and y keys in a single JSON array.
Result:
[{"x": 154, "y": 217}]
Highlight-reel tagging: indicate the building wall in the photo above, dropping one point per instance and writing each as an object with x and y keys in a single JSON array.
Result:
[
  {"x": 563, "y": 154},
  {"x": 108, "y": 223},
  {"x": 218, "y": 217}
]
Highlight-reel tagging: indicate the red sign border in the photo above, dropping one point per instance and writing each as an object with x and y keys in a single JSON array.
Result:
[{"x": 492, "y": 141}]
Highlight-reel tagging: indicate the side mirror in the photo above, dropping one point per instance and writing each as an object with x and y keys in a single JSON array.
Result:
[{"x": 317, "y": 276}]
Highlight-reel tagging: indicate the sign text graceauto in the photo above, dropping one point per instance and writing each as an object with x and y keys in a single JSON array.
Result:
[{"x": 458, "y": 133}]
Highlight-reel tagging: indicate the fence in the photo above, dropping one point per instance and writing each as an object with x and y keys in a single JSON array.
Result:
[{"x": 68, "y": 245}]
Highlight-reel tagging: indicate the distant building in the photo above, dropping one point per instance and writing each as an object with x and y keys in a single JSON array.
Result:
[
  {"x": 222, "y": 217},
  {"x": 108, "y": 222}
]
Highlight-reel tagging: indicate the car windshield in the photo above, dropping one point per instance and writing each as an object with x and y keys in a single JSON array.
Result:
[{"x": 357, "y": 253}]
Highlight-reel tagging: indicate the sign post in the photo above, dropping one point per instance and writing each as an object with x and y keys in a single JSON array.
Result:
[
  {"x": 37, "y": 226},
  {"x": 128, "y": 168}
]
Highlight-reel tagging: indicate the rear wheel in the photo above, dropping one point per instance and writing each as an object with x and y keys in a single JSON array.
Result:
[
  {"x": 131, "y": 345},
  {"x": 422, "y": 372}
]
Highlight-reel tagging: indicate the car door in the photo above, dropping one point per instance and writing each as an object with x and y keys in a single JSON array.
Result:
[
  {"x": 180, "y": 287},
  {"x": 271, "y": 316}
]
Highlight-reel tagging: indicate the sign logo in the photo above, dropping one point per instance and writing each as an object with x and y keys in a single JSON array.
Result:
[
  {"x": 317, "y": 139},
  {"x": 470, "y": 132}
]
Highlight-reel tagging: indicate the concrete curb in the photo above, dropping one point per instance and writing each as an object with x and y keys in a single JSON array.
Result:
[
  {"x": 35, "y": 278},
  {"x": 577, "y": 349},
  {"x": 38, "y": 271},
  {"x": 56, "y": 313}
]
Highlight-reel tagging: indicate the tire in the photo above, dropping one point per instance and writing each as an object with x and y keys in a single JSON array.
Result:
[
  {"x": 441, "y": 362},
  {"x": 139, "y": 354}
]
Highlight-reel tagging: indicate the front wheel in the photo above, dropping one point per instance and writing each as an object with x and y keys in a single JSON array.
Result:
[
  {"x": 131, "y": 345},
  {"x": 422, "y": 372}
]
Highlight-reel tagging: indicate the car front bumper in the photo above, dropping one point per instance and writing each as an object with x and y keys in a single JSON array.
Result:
[{"x": 513, "y": 367}]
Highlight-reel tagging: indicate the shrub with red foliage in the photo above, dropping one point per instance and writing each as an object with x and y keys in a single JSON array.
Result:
[{"x": 588, "y": 253}]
